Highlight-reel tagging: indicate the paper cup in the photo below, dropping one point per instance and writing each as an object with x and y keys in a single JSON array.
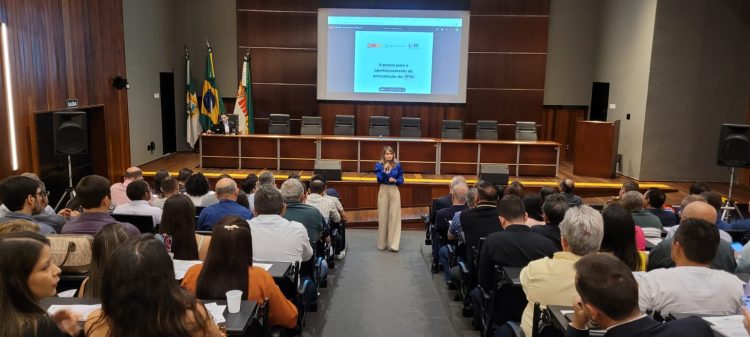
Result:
[{"x": 233, "y": 301}]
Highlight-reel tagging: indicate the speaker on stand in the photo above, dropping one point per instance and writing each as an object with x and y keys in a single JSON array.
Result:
[
  {"x": 734, "y": 151},
  {"x": 70, "y": 138}
]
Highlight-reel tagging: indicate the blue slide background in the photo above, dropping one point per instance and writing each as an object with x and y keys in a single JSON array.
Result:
[{"x": 411, "y": 48}]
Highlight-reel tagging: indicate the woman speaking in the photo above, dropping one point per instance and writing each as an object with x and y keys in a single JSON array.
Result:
[{"x": 390, "y": 176}]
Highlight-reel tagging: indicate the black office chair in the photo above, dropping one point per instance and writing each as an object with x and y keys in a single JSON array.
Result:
[
  {"x": 411, "y": 127},
  {"x": 144, "y": 223},
  {"x": 379, "y": 126},
  {"x": 311, "y": 125},
  {"x": 501, "y": 304},
  {"x": 486, "y": 129},
  {"x": 453, "y": 129},
  {"x": 278, "y": 124},
  {"x": 344, "y": 125}
]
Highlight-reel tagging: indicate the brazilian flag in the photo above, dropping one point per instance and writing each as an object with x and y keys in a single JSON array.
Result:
[{"x": 211, "y": 104}]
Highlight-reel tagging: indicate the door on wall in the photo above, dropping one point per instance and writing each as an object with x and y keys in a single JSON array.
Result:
[
  {"x": 599, "y": 101},
  {"x": 168, "y": 122}
]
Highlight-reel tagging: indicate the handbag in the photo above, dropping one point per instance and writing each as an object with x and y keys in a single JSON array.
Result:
[{"x": 71, "y": 252}]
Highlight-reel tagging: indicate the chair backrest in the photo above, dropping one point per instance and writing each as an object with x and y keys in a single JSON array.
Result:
[
  {"x": 411, "y": 127},
  {"x": 144, "y": 223},
  {"x": 486, "y": 129},
  {"x": 526, "y": 130},
  {"x": 453, "y": 129},
  {"x": 311, "y": 125},
  {"x": 344, "y": 125},
  {"x": 278, "y": 124},
  {"x": 380, "y": 126}
]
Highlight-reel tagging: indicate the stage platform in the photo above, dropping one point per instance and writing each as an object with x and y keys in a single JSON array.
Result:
[{"x": 359, "y": 190}]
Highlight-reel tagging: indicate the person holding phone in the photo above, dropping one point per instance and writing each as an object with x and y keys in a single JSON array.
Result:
[{"x": 390, "y": 175}]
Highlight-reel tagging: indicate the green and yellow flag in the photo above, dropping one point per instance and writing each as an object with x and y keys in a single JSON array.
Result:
[{"x": 211, "y": 104}]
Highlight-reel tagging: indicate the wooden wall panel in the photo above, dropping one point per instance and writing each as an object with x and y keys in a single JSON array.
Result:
[
  {"x": 509, "y": 34},
  {"x": 277, "y": 29},
  {"x": 295, "y": 100},
  {"x": 491, "y": 70},
  {"x": 282, "y": 5},
  {"x": 505, "y": 106},
  {"x": 280, "y": 66},
  {"x": 60, "y": 50},
  {"x": 509, "y": 7}
]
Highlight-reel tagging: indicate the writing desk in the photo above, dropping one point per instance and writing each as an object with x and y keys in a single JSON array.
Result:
[
  {"x": 278, "y": 269},
  {"x": 236, "y": 324}
]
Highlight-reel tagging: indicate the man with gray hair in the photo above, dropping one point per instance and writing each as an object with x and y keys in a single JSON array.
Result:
[
  {"x": 226, "y": 191},
  {"x": 293, "y": 193},
  {"x": 634, "y": 202},
  {"x": 276, "y": 238},
  {"x": 266, "y": 178},
  {"x": 459, "y": 194},
  {"x": 445, "y": 201},
  {"x": 552, "y": 281}
]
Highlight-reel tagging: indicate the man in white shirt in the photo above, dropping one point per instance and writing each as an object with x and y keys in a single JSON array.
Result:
[
  {"x": 140, "y": 193},
  {"x": 316, "y": 199},
  {"x": 170, "y": 187},
  {"x": 692, "y": 287},
  {"x": 276, "y": 238}
]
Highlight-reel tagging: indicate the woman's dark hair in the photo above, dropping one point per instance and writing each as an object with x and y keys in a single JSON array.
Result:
[
  {"x": 184, "y": 174},
  {"x": 196, "y": 185},
  {"x": 109, "y": 237},
  {"x": 229, "y": 256},
  {"x": 242, "y": 199},
  {"x": 533, "y": 204},
  {"x": 178, "y": 221},
  {"x": 515, "y": 188},
  {"x": 619, "y": 236},
  {"x": 546, "y": 191},
  {"x": 19, "y": 253},
  {"x": 140, "y": 296},
  {"x": 158, "y": 177},
  {"x": 248, "y": 185}
]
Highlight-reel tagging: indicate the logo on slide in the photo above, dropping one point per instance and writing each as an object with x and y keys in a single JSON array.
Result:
[{"x": 374, "y": 45}]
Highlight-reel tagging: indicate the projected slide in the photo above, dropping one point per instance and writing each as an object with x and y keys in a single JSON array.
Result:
[
  {"x": 393, "y": 62},
  {"x": 392, "y": 55}
]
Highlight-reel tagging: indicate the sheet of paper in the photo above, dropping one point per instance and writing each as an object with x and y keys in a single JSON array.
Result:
[
  {"x": 181, "y": 267},
  {"x": 216, "y": 311},
  {"x": 82, "y": 310},
  {"x": 67, "y": 293},
  {"x": 729, "y": 326},
  {"x": 265, "y": 266}
]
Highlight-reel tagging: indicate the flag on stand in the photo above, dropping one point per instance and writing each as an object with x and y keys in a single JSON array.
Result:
[
  {"x": 194, "y": 128},
  {"x": 244, "y": 105},
  {"x": 211, "y": 104}
]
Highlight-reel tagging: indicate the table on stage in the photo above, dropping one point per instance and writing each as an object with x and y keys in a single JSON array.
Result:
[{"x": 359, "y": 153}]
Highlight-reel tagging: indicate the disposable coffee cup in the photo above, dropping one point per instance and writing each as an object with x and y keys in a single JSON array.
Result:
[{"x": 233, "y": 301}]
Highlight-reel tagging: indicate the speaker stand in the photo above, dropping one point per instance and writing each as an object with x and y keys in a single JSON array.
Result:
[
  {"x": 68, "y": 191},
  {"x": 730, "y": 206}
]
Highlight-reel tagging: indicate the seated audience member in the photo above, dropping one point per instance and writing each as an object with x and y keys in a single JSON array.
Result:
[
  {"x": 229, "y": 266},
  {"x": 478, "y": 221},
  {"x": 93, "y": 193},
  {"x": 439, "y": 248},
  {"x": 293, "y": 193},
  {"x": 143, "y": 298},
  {"x": 661, "y": 255},
  {"x": 546, "y": 191},
  {"x": 703, "y": 213},
  {"x": 515, "y": 188},
  {"x": 105, "y": 242},
  {"x": 276, "y": 238},
  {"x": 552, "y": 281},
  {"x": 316, "y": 199},
  {"x": 553, "y": 211},
  {"x": 699, "y": 188},
  {"x": 567, "y": 186},
  {"x": 714, "y": 199},
  {"x": 182, "y": 178},
  {"x": 18, "y": 225},
  {"x": 197, "y": 188},
  {"x": 692, "y": 287},
  {"x": 178, "y": 229},
  {"x": 158, "y": 178},
  {"x": 331, "y": 194},
  {"x": 456, "y": 231},
  {"x": 655, "y": 199},
  {"x": 620, "y": 238},
  {"x": 27, "y": 276},
  {"x": 169, "y": 187},
  {"x": 48, "y": 215},
  {"x": 445, "y": 201},
  {"x": 23, "y": 197},
  {"x": 119, "y": 190},
  {"x": 629, "y": 185},
  {"x": 248, "y": 185},
  {"x": 533, "y": 204},
  {"x": 267, "y": 178},
  {"x": 139, "y": 193},
  {"x": 294, "y": 175},
  {"x": 242, "y": 200},
  {"x": 608, "y": 295},
  {"x": 633, "y": 202},
  {"x": 48, "y": 210},
  {"x": 226, "y": 191}
]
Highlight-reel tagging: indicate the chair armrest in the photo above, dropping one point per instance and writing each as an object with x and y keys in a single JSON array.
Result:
[{"x": 463, "y": 268}]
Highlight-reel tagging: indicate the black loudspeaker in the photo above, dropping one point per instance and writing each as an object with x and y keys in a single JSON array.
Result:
[
  {"x": 497, "y": 174},
  {"x": 734, "y": 146},
  {"x": 70, "y": 132},
  {"x": 329, "y": 169}
]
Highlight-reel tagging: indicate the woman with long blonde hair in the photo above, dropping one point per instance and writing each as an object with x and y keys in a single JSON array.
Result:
[{"x": 390, "y": 176}]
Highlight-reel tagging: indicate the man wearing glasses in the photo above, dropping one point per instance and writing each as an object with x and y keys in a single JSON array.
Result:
[{"x": 24, "y": 198}]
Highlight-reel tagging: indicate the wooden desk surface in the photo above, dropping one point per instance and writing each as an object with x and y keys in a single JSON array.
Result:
[{"x": 385, "y": 139}]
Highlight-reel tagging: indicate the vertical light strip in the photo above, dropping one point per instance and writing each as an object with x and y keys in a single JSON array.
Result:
[{"x": 9, "y": 97}]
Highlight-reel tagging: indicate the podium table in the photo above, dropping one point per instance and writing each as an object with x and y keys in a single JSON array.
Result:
[{"x": 596, "y": 149}]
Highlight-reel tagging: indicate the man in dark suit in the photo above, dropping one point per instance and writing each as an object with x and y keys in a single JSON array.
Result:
[
  {"x": 224, "y": 126},
  {"x": 609, "y": 296},
  {"x": 553, "y": 211}
]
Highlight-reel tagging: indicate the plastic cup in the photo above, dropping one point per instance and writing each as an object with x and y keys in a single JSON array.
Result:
[{"x": 233, "y": 301}]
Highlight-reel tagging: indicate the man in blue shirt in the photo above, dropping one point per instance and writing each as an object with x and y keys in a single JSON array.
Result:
[{"x": 226, "y": 191}]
